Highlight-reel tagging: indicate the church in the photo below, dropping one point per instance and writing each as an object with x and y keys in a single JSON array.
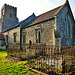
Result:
[{"x": 55, "y": 27}]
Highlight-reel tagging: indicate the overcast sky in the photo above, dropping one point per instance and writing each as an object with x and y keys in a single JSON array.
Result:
[{"x": 27, "y": 7}]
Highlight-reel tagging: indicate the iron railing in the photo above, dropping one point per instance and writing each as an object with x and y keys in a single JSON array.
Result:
[{"x": 51, "y": 60}]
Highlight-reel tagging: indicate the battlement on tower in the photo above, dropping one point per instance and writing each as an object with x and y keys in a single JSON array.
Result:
[
  {"x": 8, "y": 16},
  {"x": 8, "y": 6}
]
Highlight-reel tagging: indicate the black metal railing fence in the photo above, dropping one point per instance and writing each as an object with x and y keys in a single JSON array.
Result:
[{"x": 48, "y": 59}]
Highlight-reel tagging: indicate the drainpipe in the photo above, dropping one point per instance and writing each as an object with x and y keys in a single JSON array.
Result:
[
  {"x": 20, "y": 38},
  {"x": 55, "y": 29}
]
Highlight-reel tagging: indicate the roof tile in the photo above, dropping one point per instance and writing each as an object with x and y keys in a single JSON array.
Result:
[{"x": 46, "y": 16}]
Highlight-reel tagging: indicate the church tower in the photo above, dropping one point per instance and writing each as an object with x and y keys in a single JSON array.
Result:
[{"x": 8, "y": 16}]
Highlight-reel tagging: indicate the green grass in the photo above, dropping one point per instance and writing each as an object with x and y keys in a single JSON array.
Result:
[
  {"x": 3, "y": 54},
  {"x": 7, "y": 68}
]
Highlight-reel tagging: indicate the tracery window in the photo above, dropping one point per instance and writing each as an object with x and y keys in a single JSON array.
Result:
[{"x": 68, "y": 26}]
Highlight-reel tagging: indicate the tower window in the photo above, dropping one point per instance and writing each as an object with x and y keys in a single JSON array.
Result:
[{"x": 10, "y": 14}]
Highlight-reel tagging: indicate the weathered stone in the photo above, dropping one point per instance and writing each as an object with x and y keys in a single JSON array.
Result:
[
  {"x": 8, "y": 16},
  {"x": 46, "y": 33}
]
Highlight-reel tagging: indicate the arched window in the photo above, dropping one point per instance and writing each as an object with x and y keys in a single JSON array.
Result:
[
  {"x": 38, "y": 36},
  {"x": 68, "y": 26},
  {"x": 30, "y": 42},
  {"x": 15, "y": 37}
]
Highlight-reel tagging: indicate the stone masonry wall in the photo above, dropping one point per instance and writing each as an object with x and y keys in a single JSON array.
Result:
[
  {"x": 8, "y": 16},
  {"x": 62, "y": 24},
  {"x": 0, "y": 25},
  {"x": 46, "y": 33},
  {"x": 11, "y": 36}
]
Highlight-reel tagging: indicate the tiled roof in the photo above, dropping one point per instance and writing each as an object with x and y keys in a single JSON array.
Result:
[
  {"x": 28, "y": 21},
  {"x": 49, "y": 15},
  {"x": 46, "y": 16},
  {"x": 2, "y": 37}
]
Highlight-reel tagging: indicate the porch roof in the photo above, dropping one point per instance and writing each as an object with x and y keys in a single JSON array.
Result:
[{"x": 2, "y": 36}]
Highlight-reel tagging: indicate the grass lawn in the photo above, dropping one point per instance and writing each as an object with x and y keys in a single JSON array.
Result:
[{"x": 7, "y": 68}]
